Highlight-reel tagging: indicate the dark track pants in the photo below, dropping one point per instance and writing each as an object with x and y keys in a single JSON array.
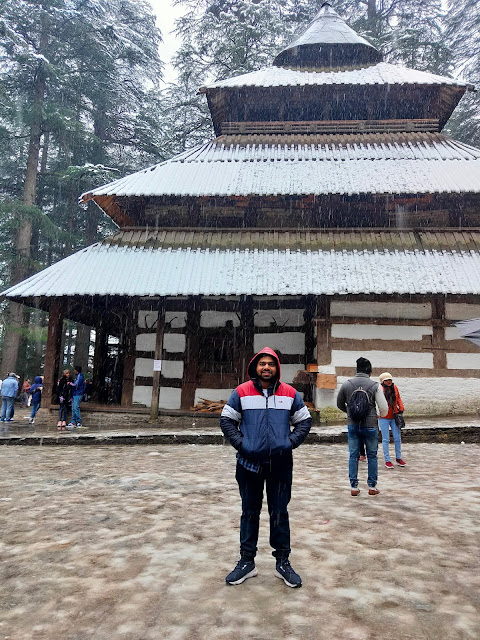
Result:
[{"x": 277, "y": 477}]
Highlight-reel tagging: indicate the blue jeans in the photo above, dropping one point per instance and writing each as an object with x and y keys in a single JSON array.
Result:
[
  {"x": 7, "y": 407},
  {"x": 76, "y": 417},
  {"x": 369, "y": 436},
  {"x": 35, "y": 407},
  {"x": 63, "y": 412},
  {"x": 277, "y": 477},
  {"x": 384, "y": 424}
]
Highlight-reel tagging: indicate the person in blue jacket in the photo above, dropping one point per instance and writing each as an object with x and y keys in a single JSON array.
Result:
[
  {"x": 77, "y": 395},
  {"x": 257, "y": 422},
  {"x": 36, "y": 393},
  {"x": 9, "y": 390}
]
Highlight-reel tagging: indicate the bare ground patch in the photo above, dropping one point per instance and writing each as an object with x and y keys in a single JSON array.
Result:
[{"x": 125, "y": 543}]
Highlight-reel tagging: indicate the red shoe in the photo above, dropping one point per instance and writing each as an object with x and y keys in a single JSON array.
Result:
[
  {"x": 362, "y": 458},
  {"x": 373, "y": 491},
  {"x": 401, "y": 462},
  {"x": 389, "y": 465},
  {"x": 355, "y": 491}
]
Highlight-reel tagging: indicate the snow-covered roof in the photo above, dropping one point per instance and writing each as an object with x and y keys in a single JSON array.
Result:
[
  {"x": 328, "y": 27},
  {"x": 382, "y": 73},
  {"x": 342, "y": 164},
  {"x": 215, "y": 262},
  {"x": 326, "y": 30}
]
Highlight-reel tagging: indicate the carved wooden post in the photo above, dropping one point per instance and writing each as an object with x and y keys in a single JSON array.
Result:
[
  {"x": 192, "y": 348},
  {"x": 52, "y": 356},
  {"x": 247, "y": 326},
  {"x": 131, "y": 326},
  {"x": 324, "y": 324},
  {"x": 309, "y": 332},
  {"x": 326, "y": 378},
  {"x": 438, "y": 333},
  {"x": 158, "y": 356},
  {"x": 99, "y": 360}
]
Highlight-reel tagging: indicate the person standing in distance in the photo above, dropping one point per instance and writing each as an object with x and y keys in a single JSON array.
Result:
[
  {"x": 395, "y": 405},
  {"x": 256, "y": 421},
  {"x": 365, "y": 431},
  {"x": 77, "y": 395},
  {"x": 9, "y": 390}
]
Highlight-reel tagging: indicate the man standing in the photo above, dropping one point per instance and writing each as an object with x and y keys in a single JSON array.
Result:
[
  {"x": 366, "y": 430},
  {"x": 256, "y": 421},
  {"x": 9, "y": 392},
  {"x": 24, "y": 393},
  {"x": 77, "y": 395}
]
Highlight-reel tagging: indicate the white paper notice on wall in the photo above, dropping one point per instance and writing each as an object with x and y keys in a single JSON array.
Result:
[{"x": 157, "y": 365}]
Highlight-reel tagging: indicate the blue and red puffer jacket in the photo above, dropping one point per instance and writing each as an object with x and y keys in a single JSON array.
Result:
[{"x": 258, "y": 426}]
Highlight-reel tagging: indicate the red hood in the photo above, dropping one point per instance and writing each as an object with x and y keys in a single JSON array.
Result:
[{"x": 252, "y": 365}]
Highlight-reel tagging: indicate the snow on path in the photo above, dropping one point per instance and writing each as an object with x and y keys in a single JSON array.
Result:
[{"x": 125, "y": 543}]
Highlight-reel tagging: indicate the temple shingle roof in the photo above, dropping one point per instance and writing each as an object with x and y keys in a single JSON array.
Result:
[
  {"x": 251, "y": 262},
  {"x": 335, "y": 164}
]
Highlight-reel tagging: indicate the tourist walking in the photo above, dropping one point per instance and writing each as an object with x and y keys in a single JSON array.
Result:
[
  {"x": 9, "y": 390},
  {"x": 256, "y": 421},
  {"x": 64, "y": 392},
  {"x": 78, "y": 390},
  {"x": 395, "y": 407},
  {"x": 36, "y": 395},
  {"x": 358, "y": 398}
]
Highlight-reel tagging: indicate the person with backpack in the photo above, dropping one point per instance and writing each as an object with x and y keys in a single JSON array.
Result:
[
  {"x": 395, "y": 410},
  {"x": 359, "y": 398}
]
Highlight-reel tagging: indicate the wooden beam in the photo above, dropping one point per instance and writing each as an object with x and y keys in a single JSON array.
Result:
[
  {"x": 438, "y": 336},
  {"x": 52, "y": 356},
  {"x": 158, "y": 357},
  {"x": 192, "y": 348},
  {"x": 324, "y": 331},
  {"x": 130, "y": 338},
  {"x": 247, "y": 323},
  {"x": 99, "y": 360},
  {"x": 310, "y": 340}
]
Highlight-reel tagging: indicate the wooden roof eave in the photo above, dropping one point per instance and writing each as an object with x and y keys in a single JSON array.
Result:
[
  {"x": 110, "y": 206},
  {"x": 451, "y": 96},
  {"x": 77, "y": 309}
]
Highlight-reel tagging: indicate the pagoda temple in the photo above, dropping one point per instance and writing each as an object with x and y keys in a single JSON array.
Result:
[{"x": 329, "y": 218}]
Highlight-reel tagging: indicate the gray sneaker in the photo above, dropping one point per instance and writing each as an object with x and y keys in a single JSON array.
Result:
[{"x": 244, "y": 569}]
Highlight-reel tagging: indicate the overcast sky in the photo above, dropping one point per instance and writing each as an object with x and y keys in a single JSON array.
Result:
[{"x": 166, "y": 15}]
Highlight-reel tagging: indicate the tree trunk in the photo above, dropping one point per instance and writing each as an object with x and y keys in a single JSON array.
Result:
[{"x": 21, "y": 265}]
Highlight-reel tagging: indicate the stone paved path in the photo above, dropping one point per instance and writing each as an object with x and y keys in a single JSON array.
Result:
[{"x": 133, "y": 543}]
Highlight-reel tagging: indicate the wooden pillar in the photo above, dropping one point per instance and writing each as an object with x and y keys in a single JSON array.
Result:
[
  {"x": 192, "y": 349},
  {"x": 438, "y": 333},
  {"x": 324, "y": 331},
  {"x": 130, "y": 345},
  {"x": 309, "y": 332},
  {"x": 247, "y": 324},
  {"x": 158, "y": 356},
  {"x": 52, "y": 355},
  {"x": 99, "y": 360},
  {"x": 326, "y": 382}
]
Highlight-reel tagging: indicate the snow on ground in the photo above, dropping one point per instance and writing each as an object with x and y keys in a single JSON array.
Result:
[{"x": 133, "y": 543}]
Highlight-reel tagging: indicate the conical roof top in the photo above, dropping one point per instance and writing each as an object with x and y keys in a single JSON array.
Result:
[{"x": 328, "y": 42}]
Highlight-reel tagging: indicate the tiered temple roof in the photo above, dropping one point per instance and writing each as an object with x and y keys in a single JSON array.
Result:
[{"x": 327, "y": 136}]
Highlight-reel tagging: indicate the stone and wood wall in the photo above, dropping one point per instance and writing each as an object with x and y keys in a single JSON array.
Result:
[{"x": 205, "y": 345}]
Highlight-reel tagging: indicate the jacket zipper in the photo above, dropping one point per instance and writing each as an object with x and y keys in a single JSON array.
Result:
[{"x": 266, "y": 417}]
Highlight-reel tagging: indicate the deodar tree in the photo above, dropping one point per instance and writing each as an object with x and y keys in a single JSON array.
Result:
[{"x": 76, "y": 76}]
